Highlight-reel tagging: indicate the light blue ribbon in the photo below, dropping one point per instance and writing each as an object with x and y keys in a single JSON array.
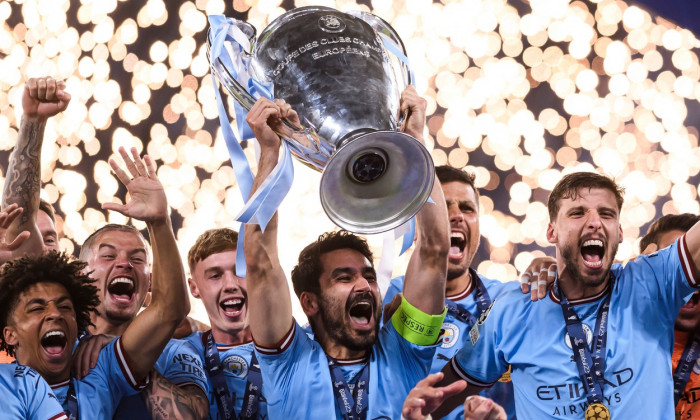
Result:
[
  {"x": 392, "y": 48},
  {"x": 259, "y": 208}
]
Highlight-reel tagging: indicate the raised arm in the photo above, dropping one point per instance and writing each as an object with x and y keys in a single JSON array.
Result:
[
  {"x": 150, "y": 331},
  {"x": 269, "y": 298},
  {"x": 424, "y": 285},
  {"x": 42, "y": 98}
]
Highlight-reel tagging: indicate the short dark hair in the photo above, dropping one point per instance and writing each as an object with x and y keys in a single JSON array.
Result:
[
  {"x": 18, "y": 275},
  {"x": 569, "y": 186},
  {"x": 86, "y": 248},
  {"x": 305, "y": 276},
  {"x": 667, "y": 223},
  {"x": 446, "y": 173},
  {"x": 212, "y": 241},
  {"x": 48, "y": 209}
]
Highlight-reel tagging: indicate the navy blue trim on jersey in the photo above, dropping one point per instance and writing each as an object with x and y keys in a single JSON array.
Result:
[
  {"x": 590, "y": 362},
  {"x": 215, "y": 371},
  {"x": 464, "y": 375},
  {"x": 350, "y": 408}
]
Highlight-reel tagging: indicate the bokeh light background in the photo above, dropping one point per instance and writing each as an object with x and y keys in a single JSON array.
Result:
[{"x": 520, "y": 93}]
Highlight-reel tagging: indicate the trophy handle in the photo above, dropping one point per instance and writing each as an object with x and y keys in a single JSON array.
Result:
[
  {"x": 306, "y": 137},
  {"x": 387, "y": 33}
]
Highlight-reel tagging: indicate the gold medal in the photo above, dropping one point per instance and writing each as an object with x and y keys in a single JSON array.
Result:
[{"x": 597, "y": 411}]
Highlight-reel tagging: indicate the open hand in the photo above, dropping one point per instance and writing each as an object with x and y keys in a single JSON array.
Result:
[
  {"x": 87, "y": 352},
  {"x": 147, "y": 198},
  {"x": 425, "y": 398}
]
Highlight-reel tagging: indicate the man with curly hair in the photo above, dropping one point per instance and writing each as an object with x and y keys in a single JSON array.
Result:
[{"x": 46, "y": 301}]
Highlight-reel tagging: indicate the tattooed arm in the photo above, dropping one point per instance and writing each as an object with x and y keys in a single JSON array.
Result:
[
  {"x": 166, "y": 400},
  {"x": 42, "y": 99}
]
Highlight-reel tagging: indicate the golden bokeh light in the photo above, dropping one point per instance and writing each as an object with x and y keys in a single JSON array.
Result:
[{"x": 519, "y": 92}]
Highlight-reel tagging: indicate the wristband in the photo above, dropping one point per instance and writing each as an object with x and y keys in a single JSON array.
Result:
[{"x": 415, "y": 325}]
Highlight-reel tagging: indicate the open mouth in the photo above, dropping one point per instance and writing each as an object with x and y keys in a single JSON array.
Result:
[
  {"x": 122, "y": 289},
  {"x": 232, "y": 307},
  {"x": 692, "y": 303},
  {"x": 361, "y": 312},
  {"x": 592, "y": 252},
  {"x": 457, "y": 243},
  {"x": 54, "y": 342}
]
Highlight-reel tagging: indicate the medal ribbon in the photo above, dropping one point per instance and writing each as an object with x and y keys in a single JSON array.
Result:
[
  {"x": 685, "y": 366},
  {"x": 215, "y": 372},
  {"x": 481, "y": 297},
  {"x": 591, "y": 367},
  {"x": 350, "y": 408},
  {"x": 72, "y": 403}
]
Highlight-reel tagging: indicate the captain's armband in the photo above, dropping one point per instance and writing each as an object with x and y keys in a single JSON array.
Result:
[{"x": 415, "y": 325}]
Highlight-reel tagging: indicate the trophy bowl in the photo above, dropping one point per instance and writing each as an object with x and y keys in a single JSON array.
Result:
[{"x": 336, "y": 72}]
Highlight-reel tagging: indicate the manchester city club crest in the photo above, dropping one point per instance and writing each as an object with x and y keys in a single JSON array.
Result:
[
  {"x": 586, "y": 330},
  {"x": 450, "y": 336},
  {"x": 331, "y": 23},
  {"x": 235, "y": 365}
]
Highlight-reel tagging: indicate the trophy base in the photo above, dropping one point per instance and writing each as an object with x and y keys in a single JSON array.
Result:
[{"x": 376, "y": 182}]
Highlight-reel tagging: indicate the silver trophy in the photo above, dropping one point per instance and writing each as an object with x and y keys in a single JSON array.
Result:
[{"x": 337, "y": 73}]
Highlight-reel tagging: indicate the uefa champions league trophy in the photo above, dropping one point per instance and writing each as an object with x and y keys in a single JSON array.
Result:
[{"x": 343, "y": 73}]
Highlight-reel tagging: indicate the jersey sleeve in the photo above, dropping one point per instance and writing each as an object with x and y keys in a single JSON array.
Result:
[
  {"x": 115, "y": 374},
  {"x": 480, "y": 361},
  {"x": 408, "y": 361},
  {"x": 295, "y": 372},
  {"x": 668, "y": 275},
  {"x": 41, "y": 402},
  {"x": 184, "y": 366}
]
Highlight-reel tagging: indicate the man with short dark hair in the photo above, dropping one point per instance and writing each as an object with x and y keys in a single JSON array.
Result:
[
  {"x": 686, "y": 371},
  {"x": 467, "y": 293},
  {"x": 47, "y": 300},
  {"x": 602, "y": 334},
  {"x": 351, "y": 367},
  {"x": 235, "y": 382}
]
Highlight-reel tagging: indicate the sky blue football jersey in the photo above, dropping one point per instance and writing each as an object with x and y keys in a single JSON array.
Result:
[
  {"x": 531, "y": 336},
  {"x": 236, "y": 364},
  {"x": 100, "y": 392},
  {"x": 456, "y": 331},
  {"x": 26, "y": 395},
  {"x": 180, "y": 364},
  {"x": 297, "y": 381}
]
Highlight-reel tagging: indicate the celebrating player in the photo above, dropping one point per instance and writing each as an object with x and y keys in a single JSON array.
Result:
[
  {"x": 604, "y": 331},
  {"x": 352, "y": 366}
]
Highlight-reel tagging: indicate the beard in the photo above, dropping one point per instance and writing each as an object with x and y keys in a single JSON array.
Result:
[
  {"x": 333, "y": 312},
  {"x": 571, "y": 254},
  {"x": 455, "y": 272}
]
